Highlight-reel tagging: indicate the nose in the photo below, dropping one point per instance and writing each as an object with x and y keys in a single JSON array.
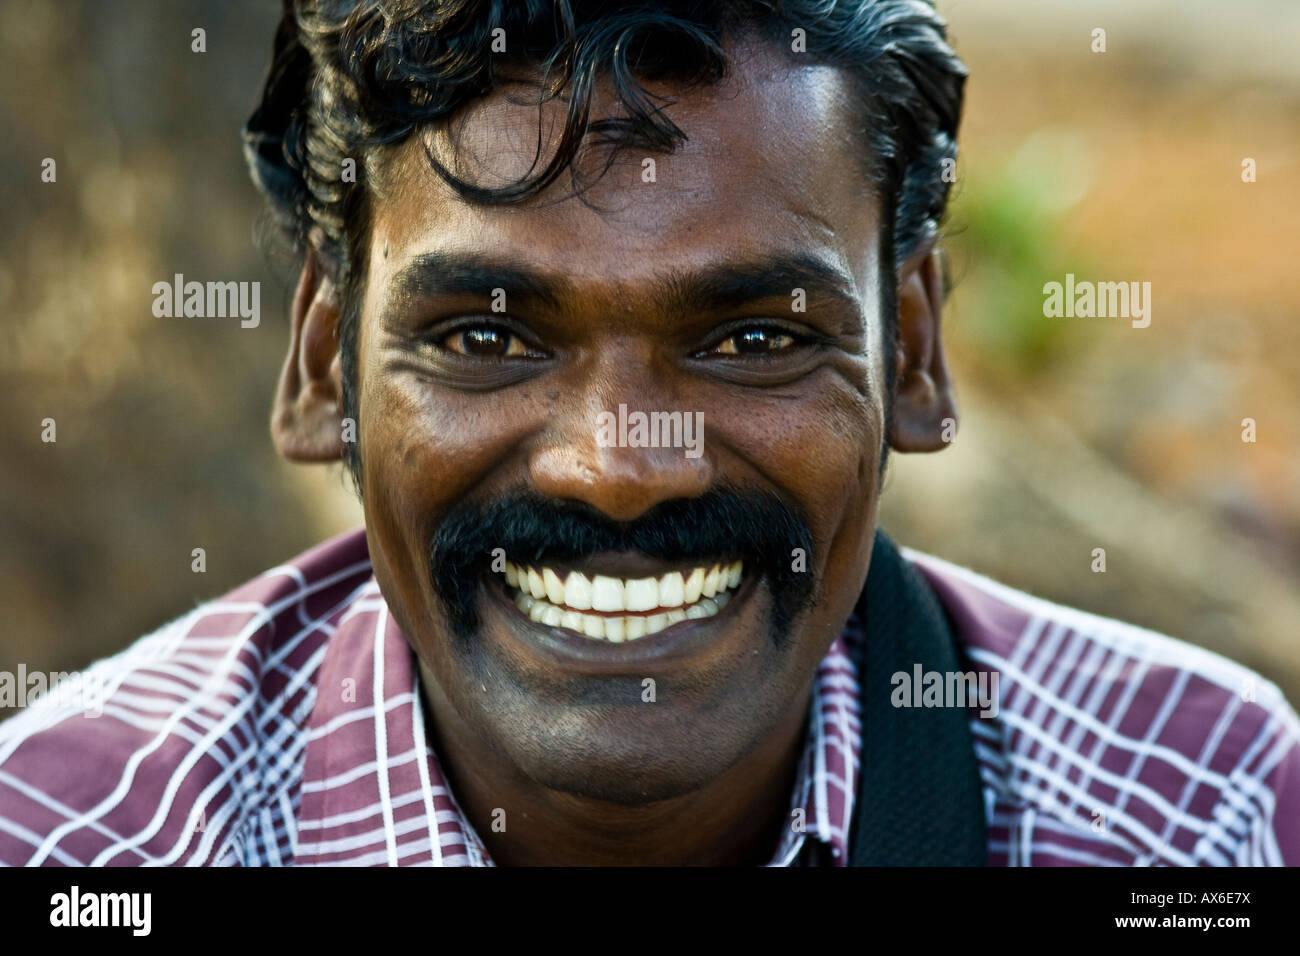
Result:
[{"x": 621, "y": 445}]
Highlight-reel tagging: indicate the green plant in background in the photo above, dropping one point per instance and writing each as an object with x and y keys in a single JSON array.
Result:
[{"x": 1008, "y": 226}]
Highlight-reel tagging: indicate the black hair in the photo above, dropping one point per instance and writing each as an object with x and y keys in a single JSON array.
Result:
[{"x": 350, "y": 75}]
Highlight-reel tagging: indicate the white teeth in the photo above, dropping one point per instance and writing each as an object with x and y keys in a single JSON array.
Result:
[
  {"x": 672, "y": 590},
  {"x": 706, "y": 608},
  {"x": 535, "y": 584},
  {"x": 710, "y": 582},
  {"x": 615, "y": 629},
  {"x": 576, "y": 592},
  {"x": 606, "y": 594},
  {"x": 554, "y": 587},
  {"x": 677, "y": 596},
  {"x": 641, "y": 594}
]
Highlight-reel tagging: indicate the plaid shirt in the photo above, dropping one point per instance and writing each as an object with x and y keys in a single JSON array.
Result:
[{"x": 283, "y": 724}]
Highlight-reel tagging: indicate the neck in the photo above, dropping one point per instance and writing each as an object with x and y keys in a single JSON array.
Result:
[{"x": 735, "y": 820}]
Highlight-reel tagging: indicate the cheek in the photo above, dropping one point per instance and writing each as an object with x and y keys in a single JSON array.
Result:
[
  {"x": 420, "y": 456},
  {"x": 427, "y": 449},
  {"x": 821, "y": 446},
  {"x": 410, "y": 439}
]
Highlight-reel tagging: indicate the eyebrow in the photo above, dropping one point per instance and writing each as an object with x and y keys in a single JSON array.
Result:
[
  {"x": 433, "y": 274},
  {"x": 711, "y": 289},
  {"x": 733, "y": 284}
]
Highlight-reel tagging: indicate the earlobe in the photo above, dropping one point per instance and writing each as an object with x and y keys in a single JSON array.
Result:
[
  {"x": 307, "y": 415},
  {"x": 925, "y": 410}
]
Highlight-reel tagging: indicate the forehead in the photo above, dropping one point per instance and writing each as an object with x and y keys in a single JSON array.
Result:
[{"x": 772, "y": 164}]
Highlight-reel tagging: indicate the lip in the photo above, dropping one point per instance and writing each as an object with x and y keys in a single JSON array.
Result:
[{"x": 572, "y": 652}]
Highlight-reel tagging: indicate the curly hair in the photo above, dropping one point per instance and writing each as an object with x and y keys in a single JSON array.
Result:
[{"x": 348, "y": 76}]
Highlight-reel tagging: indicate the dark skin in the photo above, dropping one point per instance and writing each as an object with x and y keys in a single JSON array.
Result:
[{"x": 586, "y": 771}]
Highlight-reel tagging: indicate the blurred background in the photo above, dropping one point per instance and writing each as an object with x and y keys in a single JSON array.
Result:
[{"x": 1076, "y": 434}]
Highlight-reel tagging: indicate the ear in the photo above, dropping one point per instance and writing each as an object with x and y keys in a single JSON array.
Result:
[
  {"x": 307, "y": 416},
  {"x": 923, "y": 397}
]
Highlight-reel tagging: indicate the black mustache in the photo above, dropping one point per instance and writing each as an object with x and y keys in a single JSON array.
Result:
[{"x": 755, "y": 526}]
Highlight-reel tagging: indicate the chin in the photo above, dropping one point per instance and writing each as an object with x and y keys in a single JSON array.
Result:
[{"x": 584, "y": 754}]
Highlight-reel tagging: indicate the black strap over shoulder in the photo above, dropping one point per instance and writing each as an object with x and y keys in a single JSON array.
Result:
[{"x": 919, "y": 800}]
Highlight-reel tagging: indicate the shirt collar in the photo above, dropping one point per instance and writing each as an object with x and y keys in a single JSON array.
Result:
[{"x": 826, "y": 784}]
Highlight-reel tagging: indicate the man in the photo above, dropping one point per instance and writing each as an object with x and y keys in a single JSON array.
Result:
[{"x": 613, "y": 312}]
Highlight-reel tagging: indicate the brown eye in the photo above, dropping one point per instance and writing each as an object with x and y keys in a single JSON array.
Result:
[
  {"x": 756, "y": 342},
  {"x": 485, "y": 342}
]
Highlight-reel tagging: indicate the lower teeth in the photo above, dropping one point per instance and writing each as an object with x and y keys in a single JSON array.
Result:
[{"x": 614, "y": 628}]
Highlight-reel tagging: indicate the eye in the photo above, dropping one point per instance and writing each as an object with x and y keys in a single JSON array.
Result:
[
  {"x": 487, "y": 342},
  {"x": 756, "y": 340}
]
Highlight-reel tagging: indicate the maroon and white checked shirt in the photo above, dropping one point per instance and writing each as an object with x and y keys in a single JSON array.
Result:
[{"x": 282, "y": 724}]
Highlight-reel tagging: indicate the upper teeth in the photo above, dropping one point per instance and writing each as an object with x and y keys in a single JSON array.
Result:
[{"x": 676, "y": 596}]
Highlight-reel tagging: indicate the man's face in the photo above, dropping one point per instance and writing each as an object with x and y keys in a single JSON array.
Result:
[{"x": 672, "y": 295}]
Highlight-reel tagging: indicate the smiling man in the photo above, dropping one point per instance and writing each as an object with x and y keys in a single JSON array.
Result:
[{"x": 561, "y": 642}]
